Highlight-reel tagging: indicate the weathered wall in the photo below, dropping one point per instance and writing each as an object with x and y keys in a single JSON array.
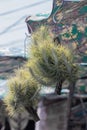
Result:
[{"x": 68, "y": 20}]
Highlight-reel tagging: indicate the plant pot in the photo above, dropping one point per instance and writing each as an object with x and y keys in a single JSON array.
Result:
[{"x": 52, "y": 111}]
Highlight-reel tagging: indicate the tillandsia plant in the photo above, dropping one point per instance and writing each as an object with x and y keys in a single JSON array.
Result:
[
  {"x": 40, "y": 35},
  {"x": 23, "y": 93},
  {"x": 52, "y": 64}
]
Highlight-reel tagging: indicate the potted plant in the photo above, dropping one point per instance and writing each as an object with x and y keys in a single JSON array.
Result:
[{"x": 51, "y": 64}]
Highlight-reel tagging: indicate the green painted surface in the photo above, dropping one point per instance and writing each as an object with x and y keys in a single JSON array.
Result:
[
  {"x": 86, "y": 31},
  {"x": 84, "y": 59},
  {"x": 54, "y": 10},
  {"x": 74, "y": 29},
  {"x": 83, "y": 10},
  {"x": 67, "y": 35},
  {"x": 69, "y": 22}
]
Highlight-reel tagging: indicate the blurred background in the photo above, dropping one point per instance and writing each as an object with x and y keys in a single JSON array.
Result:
[{"x": 13, "y": 26}]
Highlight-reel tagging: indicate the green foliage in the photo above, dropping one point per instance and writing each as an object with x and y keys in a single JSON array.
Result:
[
  {"x": 40, "y": 35},
  {"x": 50, "y": 63},
  {"x": 22, "y": 89}
]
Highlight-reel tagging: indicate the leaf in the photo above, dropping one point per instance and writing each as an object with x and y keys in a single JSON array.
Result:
[
  {"x": 55, "y": 57},
  {"x": 39, "y": 79}
]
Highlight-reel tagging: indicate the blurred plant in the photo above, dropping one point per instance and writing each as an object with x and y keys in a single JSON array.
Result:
[
  {"x": 51, "y": 64},
  {"x": 40, "y": 35},
  {"x": 23, "y": 94}
]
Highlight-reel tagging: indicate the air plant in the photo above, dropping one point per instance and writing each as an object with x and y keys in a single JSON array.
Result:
[
  {"x": 40, "y": 35},
  {"x": 52, "y": 64},
  {"x": 23, "y": 94}
]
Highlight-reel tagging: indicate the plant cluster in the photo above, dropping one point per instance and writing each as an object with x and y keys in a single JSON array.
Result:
[{"x": 49, "y": 64}]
